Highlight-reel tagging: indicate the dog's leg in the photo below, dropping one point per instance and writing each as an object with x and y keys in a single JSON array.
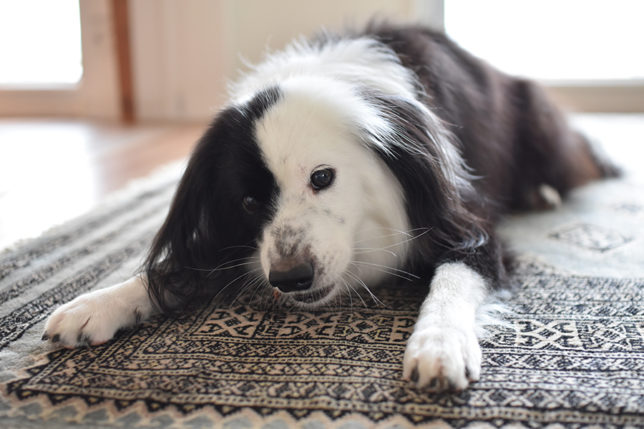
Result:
[
  {"x": 443, "y": 351},
  {"x": 93, "y": 318}
]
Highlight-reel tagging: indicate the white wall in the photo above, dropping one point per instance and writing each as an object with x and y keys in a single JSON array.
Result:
[
  {"x": 177, "y": 58},
  {"x": 185, "y": 51}
]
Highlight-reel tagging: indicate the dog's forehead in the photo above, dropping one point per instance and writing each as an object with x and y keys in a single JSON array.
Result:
[{"x": 302, "y": 130}]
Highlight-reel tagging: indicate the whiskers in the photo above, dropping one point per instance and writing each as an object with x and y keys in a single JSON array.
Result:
[
  {"x": 371, "y": 254},
  {"x": 252, "y": 285},
  {"x": 248, "y": 277},
  {"x": 408, "y": 236},
  {"x": 350, "y": 277},
  {"x": 360, "y": 282},
  {"x": 350, "y": 291},
  {"x": 395, "y": 272},
  {"x": 229, "y": 265},
  {"x": 367, "y": 253}
]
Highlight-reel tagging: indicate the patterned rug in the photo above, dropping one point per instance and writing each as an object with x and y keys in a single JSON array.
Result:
[{"x": 571, "y": 354}]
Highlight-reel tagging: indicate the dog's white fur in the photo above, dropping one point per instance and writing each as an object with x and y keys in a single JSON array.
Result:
[{"x": 357, "y": 229}]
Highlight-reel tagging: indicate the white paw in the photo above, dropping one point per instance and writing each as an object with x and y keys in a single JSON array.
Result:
[
  {"x": 90, "y": 319},
  {"x": 442, "y": 357}
]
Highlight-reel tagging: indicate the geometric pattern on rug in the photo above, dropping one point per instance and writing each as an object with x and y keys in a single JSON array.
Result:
[
  {"x": 592, "y": 237},
  {"x": 574, "y": 354},
  {"x": 629, "y": 207},
  {"x": 13, "y": 325}
]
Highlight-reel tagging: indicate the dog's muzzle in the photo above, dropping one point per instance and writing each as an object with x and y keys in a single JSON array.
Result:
[{"x": 295, "y": 279}]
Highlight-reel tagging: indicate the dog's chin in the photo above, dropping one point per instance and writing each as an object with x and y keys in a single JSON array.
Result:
[{"x": 314, "y": 298}]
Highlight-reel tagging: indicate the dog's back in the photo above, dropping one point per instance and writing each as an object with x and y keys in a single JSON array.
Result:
[{"x": 515, "y": 140}]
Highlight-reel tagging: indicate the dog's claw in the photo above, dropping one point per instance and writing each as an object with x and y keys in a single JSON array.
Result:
[
  {"x": 95, "y": 317},
  {"x": 442, "y": 358},
  {"x": 414, "y": 376},
  {"x": 84, "y": 340}
]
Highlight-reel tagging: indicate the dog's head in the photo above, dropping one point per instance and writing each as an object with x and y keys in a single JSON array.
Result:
[
  {"x": 337, "y": 211},
  {"x": 313, "y": 186}
]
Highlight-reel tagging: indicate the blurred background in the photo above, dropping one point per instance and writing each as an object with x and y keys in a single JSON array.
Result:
[{"x": 96, "y": 93}]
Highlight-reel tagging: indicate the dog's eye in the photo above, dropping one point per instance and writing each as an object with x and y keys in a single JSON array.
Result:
[
  {"x": 323, "y": 178},
  {"x": 250, "y": 204}
]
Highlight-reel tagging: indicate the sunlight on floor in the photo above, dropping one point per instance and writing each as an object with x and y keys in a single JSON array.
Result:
[
  {"x": 31, "y": 165},
  {"x": 52, "y": 171}
]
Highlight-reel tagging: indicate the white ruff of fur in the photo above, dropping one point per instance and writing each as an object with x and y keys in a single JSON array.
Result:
[{"x": 360, "y": 64}]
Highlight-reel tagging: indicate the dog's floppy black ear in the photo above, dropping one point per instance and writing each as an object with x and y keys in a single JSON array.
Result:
[
  {"x": 206, "y": 226},
  {"x": 179, "y": 251}
]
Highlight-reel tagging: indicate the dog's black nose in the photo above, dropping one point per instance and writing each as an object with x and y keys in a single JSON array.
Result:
[{"x": 300, "y": 277}]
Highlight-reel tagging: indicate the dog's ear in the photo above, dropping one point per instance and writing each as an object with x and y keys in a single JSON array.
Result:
[
  {"x": 178, "y": 252},
  {"x": 426, "y": 161},
  {"x": 206, "y": 226}
]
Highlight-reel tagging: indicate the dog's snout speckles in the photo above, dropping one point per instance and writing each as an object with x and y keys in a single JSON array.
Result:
[{"x": 287, "y": 239}]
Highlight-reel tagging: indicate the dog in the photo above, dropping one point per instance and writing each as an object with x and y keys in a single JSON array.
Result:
[{"x": 341, "y": 162}]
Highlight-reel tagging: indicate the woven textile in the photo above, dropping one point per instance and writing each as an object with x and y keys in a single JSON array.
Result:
[{"x": 571, "y": 353}]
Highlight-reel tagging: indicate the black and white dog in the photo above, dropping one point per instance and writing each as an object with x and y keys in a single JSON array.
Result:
[{"x": 344, "y": 160}]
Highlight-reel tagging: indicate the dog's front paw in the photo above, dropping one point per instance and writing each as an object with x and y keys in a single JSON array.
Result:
[
  {"x": 90, "y": 319},
  {"x": 442, "y": 358}
]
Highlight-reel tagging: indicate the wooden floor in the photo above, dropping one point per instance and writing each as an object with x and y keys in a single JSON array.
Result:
[{"x": 54, "y": 170}]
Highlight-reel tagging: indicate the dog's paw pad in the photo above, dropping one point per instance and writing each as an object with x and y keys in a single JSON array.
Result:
[{"x": 442, "y": 358}]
